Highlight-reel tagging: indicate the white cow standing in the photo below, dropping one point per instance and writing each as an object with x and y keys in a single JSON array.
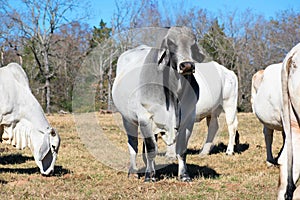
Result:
[
  {"x": 22, "y": 120},
  {"x": 289, "y": 159},
  {"x": 218, "y": 93},
  {"x": 266, "y": 98}
]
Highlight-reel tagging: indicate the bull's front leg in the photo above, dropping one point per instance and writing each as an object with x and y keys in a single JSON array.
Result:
[
  {"x": 182, "y": 168},
  {"x": 171, "y": 152},
  {"x": 181, "y": 147}
]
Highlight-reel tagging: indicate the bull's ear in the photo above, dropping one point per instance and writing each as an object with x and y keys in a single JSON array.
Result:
[
  {"x": 45, "y": 147},
  {"x": 197, "y": 54},
  {"x": 163, "y": 58},
  {"x": 163, "y": 54}
]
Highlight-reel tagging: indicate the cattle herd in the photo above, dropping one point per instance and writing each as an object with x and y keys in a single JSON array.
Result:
[{"x": 164, "y": 91}]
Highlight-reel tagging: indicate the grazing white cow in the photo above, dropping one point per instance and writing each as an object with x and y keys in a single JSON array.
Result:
[
  {"x": 289, "y": 159},
  {"x": 22, "y": 120},
  {"x": 266, "y": 97},
  {"x": 218, "y": 93},
  {"x": 156, "y": 91}
]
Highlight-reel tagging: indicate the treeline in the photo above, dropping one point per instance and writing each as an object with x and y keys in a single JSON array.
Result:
[{"x": 54, "y": 47}]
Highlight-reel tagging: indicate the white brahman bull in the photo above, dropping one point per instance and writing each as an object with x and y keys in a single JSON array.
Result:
[
  {"x": 289, "y": 159},
  {"x": 22, "y": 120},
  {"x": 266, "y": 97},
  {"x": 156, "y": 91},
  {"x": 218, "y": 93}
]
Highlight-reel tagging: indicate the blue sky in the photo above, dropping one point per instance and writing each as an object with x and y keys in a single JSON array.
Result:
[{"x": 104, "y": 9}]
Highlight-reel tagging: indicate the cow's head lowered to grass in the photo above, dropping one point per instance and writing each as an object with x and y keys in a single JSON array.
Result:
[{"x": 22, "y": 120}]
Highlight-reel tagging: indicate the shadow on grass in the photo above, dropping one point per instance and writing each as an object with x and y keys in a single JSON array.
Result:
[
  {"x": 58, "y": 171},
  {"x": 19, "y": 159},
  {"x": 221, "y": 148},
  {"x": 2, "y": 182},
  {"x": 14, "y": 159},
  {"x": 171, "y": 171}
]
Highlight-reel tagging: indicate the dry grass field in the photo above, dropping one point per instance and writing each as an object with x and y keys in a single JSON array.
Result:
[{"x": 81, "y": 175}]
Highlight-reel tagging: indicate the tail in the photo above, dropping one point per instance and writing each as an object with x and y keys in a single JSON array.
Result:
[{"x": 286, "y": 121}]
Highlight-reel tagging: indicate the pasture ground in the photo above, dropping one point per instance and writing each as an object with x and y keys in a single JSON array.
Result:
[{"x": 80, "y": 176}]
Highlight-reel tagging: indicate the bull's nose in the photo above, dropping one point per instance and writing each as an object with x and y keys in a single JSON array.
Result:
[{"x": 187, "y": 67}]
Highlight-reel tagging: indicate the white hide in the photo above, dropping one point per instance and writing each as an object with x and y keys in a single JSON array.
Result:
[
  {"x": 155, "y": 91},
  {"x": 22, "y": 120},
  {"x": 266, "y": 96},
  {"x": 289, "y": 159},
  {"x": 218, "y": 92}
]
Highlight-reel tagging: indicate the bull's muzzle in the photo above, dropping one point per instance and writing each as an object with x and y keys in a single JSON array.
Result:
[{"x": 186, "y": 68}]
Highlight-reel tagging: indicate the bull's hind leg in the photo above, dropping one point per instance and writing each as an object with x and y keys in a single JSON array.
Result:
[
  {"x": 151, "y": 151},
  {"x": 213, "y": 126},
  {"x": 145, "y": 123},
  {"x": 232, "y": 123},
  {"x": 287, "y": 185},
  {"x": 132, "y": 134},
  {"x": 268, "y": 133},
  {"x": 296, "y": 157}
]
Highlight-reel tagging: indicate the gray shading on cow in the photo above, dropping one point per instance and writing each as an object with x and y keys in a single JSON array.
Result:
[
  {"x": 156, "y": 91},
  {"x": 22, "y": 120},
  {"x": 218, "y": 93}
]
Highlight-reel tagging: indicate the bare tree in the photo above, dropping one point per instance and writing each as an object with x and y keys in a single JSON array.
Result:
[
  {"x": 37, "y": 23},
  {"x": 70, "y": 49}
]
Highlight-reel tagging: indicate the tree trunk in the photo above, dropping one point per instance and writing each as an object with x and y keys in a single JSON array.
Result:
[
  {"x": 2, "y": 56},
  {"x": 240, "y": 79},
  {"x": 109, "y": 101},
  {"x": 20, "y": 60},
  {"x": 47, "y": 82},
  {"x": 47, "y": 95}
]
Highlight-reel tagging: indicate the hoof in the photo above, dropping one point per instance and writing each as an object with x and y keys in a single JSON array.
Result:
[
  {"x": 185, "y": 178},
  {"x": 149, "y": 177},
  {"x": 203, "y": 154},
  {"x": 271, "y": 164},
  {"x": 229, "y": 153},
  {"x": 133, "y": 174}
]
